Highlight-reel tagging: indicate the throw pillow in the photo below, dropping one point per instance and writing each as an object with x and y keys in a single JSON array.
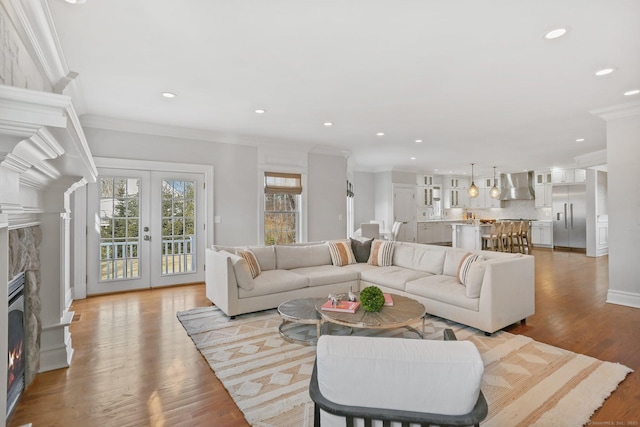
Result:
[
  {"x": 381, "y": 253},
  {"x": 341, "y": 253},
  {"x": 465, "y": 267},
  {"x": 252, "y": 262},
  {"x": 361, "y": 250},
  {"x": 474, "y": 279}
]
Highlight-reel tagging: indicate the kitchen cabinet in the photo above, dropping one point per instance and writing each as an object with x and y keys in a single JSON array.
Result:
[
  {"x": 434, "y": 232},
  {"x": 568, "y": 176},
  {"x": 542, "y": 233},
  {"x": 543, "y": 187},
  {"x": 543, "y": 195},
  {"x": 426, "y": 180},
  {"x": 425, "y": 232},
  {"x": 542, "y": 177},
  {"x": 457, "y": 182},
  {"x": 454, "y": 198}
]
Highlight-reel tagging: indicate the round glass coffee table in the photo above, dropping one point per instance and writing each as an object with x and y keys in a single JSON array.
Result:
[
  {"x": 299, "y": 312},
  {"x": 301, "y": 322},
  {"x": 401, "y": 314}
]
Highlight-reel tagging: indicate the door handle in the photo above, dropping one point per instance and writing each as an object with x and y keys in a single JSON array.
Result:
[
  {"x": 571, "y": 208},
  {"x": 565, "y": 215},
  {"x": 146, "y": 237}
]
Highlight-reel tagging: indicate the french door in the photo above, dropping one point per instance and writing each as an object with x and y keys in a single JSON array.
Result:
[{"x": 145, "y": 229}]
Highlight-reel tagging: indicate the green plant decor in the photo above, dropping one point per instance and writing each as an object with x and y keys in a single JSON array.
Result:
[{"x": 371, "y": 298}]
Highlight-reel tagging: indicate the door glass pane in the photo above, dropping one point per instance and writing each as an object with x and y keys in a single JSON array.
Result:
[
  {"x": 178, "y": 232},
  {"x": 119, "y": 234}
]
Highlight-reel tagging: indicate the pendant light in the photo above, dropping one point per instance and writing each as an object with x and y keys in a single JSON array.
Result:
[
  {"x": 495, "y": 191},
  {"x": 473, "y": 190}
]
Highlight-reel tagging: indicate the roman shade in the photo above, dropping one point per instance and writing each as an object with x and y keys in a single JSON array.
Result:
[{"x": 278, "y": 182}]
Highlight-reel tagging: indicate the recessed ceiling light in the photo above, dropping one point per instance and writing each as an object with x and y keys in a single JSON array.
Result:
[
  {"x": 604, "y": 71},
  {"x": 328, "y": 124},
  {"x": 632, "y": 92},
  {"x": 555, "y": 33},
  {"x": 169, "y": 94},
  {"x": 580, "y": 140},
  {"x": 413, "y": 158},
  {"x": 76, "y": 1},
  {"x": 418, "y": 141},
  {"x": 380, "y": 133},
  {"x": 260, "y": 111}
]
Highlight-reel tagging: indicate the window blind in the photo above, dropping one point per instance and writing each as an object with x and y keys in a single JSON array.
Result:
[{"x": 277, "y": 182}]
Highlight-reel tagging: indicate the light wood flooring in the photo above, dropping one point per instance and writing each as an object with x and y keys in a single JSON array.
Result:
[{"x": 134, "y": 365}]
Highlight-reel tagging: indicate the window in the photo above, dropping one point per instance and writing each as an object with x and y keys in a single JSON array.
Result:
[{"x": 282, "y": 207}]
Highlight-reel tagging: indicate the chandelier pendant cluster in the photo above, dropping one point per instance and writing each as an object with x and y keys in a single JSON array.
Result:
[{"x": 473, "y": 189}]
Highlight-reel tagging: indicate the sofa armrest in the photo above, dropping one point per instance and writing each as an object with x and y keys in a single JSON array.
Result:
[
  {"x": 220, "y": 281},
  {"x": 508, "y": 292}
]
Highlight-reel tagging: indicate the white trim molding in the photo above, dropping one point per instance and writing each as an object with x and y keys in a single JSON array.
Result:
[{"x": 628, "y": 299}]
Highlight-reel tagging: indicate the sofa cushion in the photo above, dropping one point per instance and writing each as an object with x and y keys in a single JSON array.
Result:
[
  {"x": 326, "y": 274},
  {"x": 298, "y": 256},
  {"x": 274, "y": 281},
  {"x": 445, "y": 289},
  {"x": 452, "y": 260},
  {"x": 266, "y": 256},
  {"x": 361, "y": 249},
  {"x": 381, "y": 253},
  {"x": 419, "y": 258},
  {"x": 252, "y": 262},
  {"x": 341, "y": 253},
  {"x": 391, "y": 277},
  {"x": 359, "y": 267}
]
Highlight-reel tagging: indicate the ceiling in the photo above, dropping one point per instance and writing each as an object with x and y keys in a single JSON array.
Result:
[{"x": 475, "y": 81}]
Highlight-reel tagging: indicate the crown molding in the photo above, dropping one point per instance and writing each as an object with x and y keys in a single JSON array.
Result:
[
  {"x": 596, "y": 158},
  {"x": 41, "y": 138},
  {"x": 619, "y": 111}
]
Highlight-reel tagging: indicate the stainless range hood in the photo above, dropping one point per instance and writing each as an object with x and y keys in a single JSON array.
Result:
[{"x": 517, "y": 186}]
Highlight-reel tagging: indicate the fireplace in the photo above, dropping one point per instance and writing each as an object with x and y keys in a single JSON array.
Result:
[{"x": 16, "y": 355}]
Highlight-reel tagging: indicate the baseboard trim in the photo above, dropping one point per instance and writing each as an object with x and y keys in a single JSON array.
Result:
[{"x": 624, "y": 298}]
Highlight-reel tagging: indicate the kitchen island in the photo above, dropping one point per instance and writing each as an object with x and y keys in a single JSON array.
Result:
[{"x": 468, "y": 236}]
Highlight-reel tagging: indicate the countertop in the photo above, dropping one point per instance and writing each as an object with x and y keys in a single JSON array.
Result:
[{"x": 439, "y": 220}]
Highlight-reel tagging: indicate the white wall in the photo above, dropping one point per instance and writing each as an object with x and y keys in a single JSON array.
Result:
[
  {"x": 327, "y": 197},
  {"x": 235, "y": 174},
  {"x": 364, "y": 200},
  {"x": 623, "y": 165},
  {"x": 384, "y": 198}
]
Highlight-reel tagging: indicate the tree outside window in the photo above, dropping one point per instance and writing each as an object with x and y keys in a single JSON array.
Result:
[{"x": 282, "y": 208}]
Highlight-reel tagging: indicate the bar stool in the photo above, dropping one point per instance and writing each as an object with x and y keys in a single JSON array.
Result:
[
  {"x": 493, "y": 240},
  {"x": 526, "y": 237},
  {"x": 507, "y": 236}
]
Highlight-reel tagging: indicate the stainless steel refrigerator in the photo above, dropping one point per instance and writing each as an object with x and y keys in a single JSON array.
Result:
[{"x": 570, "y": 216}]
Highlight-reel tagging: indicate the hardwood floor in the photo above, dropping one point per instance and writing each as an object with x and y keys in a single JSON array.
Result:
[{"x": 134, "y": 365}]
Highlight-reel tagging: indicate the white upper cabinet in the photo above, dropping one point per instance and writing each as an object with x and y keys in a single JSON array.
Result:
[
  {"x": 543, "y": 177},
  {"x": 568, "y": 176}
]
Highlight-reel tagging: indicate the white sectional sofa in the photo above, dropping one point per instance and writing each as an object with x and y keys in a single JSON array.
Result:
[{"x": 502, "y": 292}]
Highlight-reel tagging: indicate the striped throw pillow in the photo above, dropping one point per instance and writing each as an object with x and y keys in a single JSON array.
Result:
[
  {"x": 381, "y": 253},
  {"x": 252, "y": 261},
  {"x": 465, "y": 267},
  {"x": 341, "y": 253}
]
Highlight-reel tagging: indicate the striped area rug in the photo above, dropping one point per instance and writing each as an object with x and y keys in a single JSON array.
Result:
[{"x": 526, "y": 383}]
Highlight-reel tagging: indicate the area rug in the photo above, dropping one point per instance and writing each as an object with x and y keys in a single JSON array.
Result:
[{"x": 526, "y": 383}]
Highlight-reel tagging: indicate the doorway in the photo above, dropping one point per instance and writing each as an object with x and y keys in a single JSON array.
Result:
[{"x": 145, "y": 229}]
